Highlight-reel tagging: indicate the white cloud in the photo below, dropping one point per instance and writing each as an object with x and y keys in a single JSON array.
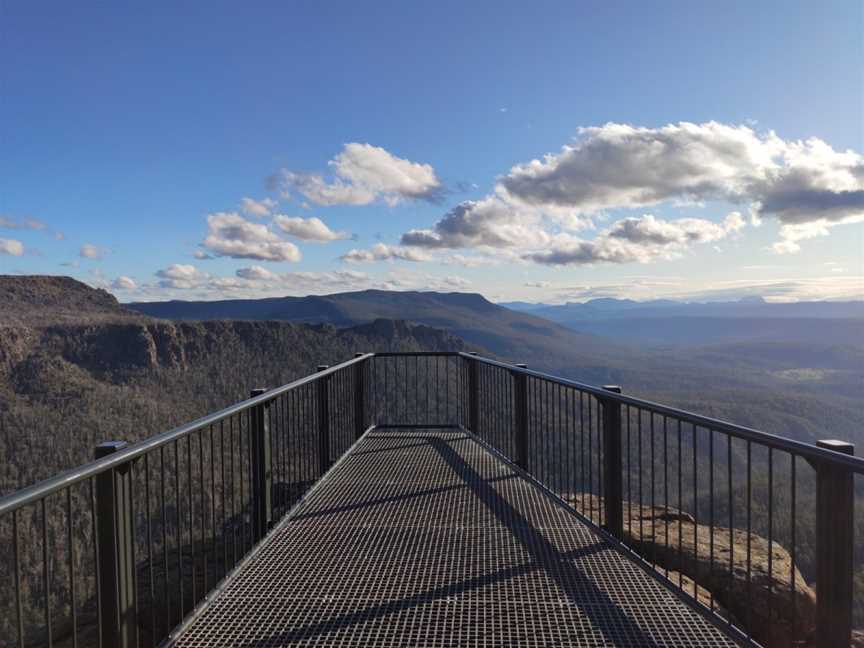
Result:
[
  {"x": 179, "y": 271},
  {"x": 807, "y": 186},
  {"x": 781, "y": 290},
  {"x": 11, "y": 247},
  {"x": 490, "y": 222},
  {"x": 617, "y": 165},
  {"x": 636, "y": 240},
  {"x": 791, "y": 234},
  {"x": 364, "y": 174},
  {"x": 259, "y": 208},
  {"x": 382, "y": 252},
  {"x": 94, "y": 252},
  {"x": 471, "y": 261},
  {"x": 231, "y": 235},
  {"x": 181, "y": 276},
  {"x": 253, "y": 281},
  {"x": 456, "y": 282},
  {"x": 308, "y": 229},
  {"x": 256, "y": 273},
  {"x": 123, "y": 283},
  {"x": 26, "y": 224}
]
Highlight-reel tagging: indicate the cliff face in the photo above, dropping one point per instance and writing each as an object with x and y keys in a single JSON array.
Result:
[
  {"x": 122, "y": 351},
  {"x": 65, "y": 388}
]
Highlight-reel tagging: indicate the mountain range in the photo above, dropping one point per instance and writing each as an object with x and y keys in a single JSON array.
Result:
[{"x": 672, "y": 323}]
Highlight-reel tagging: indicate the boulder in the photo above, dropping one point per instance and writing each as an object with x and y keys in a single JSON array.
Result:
[{"x": 775, "y": 614}]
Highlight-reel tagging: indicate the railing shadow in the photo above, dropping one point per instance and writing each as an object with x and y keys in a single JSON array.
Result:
[{"x": 603, "y": 613}]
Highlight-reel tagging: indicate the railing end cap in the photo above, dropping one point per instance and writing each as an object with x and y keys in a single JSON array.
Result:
[
  {"x": 109, "y": 447},
  {"x": 837, "y": 446}
]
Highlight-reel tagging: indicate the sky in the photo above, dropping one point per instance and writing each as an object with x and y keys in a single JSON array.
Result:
[{"x": 544, "y": 151}]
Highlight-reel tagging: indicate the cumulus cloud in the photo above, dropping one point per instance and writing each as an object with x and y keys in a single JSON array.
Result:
[
  {"x": 456, "y": 282},
  {"x": 364, "y": 174},
  {"x": 308, "y": 229},
  {"x": 26, "y": 224},
  {"x": 231, "y": 235},
  {"x": 252, "y": 280},
  {"x": 649, "y": 230},
  {"x": 797, "y": 182},
  {"x": 123, "y": 283},
  {"x": 807, "y": 186},
  {"x": 91, "y": 251},
  {"x": 471, "y": 261},
  {"x": 180, "y": 276},
  {"x": 383, "y": 252},
  {"x": 490, "y": 222},
  {"x": 256, "y": 273},
  {"x": 11, "y": 247},
  {"x": 259, "y": 208},
  {"x": 617, "y": 165},
  {"x": 637, "y": 240}
]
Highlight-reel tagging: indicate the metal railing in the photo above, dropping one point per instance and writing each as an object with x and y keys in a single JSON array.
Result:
[{"x": 119, "y": 551}]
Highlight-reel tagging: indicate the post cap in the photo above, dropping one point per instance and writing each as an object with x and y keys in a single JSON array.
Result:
[
  {"x": 837, "y": 446},
  {"x": 612, "y": 388},
  {"x": 109, "y": 447},
  {"x": 257, "y": 392},
  {"x": 358, "y": 354},
  {"x": 522, "y": 365},
  {"x": 474, "y": 353},
  {"x": 323, "y": 367}
]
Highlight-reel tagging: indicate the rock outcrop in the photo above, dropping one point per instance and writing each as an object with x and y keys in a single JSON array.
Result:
[
  {"x": 776, "y": 615},
  {"x": 37, "y": 300}
]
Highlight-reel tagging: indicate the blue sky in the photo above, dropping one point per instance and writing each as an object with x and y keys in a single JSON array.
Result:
[{"x": 714, "y": 149}]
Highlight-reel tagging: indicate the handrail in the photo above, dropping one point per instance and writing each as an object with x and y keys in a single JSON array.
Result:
[
  {"x": 72, "y": 476},
  {"x": 800, "y": 448},
  {"x": 293, "y": 432}
]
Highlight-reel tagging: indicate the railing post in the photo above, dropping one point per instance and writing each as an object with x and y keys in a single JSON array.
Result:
[
  {"x": 834, "y": 544},
  {"x": 115, "y": 537},
  {"x": 520, "y": 416},
  {"x": 613, "y": 487},
  {"x": 473, "y": 394},
  {"x": 323, "y": 384},
  {"x": 359, "y": 397},
  {"x": 261, "y": 469}
]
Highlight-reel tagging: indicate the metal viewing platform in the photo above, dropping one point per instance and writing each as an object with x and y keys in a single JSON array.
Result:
[
  {"x": 426, "y": 538},
  {"x": 438, "y": 499}
]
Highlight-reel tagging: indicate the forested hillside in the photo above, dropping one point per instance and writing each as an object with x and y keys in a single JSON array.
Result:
[
  {"x": 100, "y": 372},
  {"x": 63, "y": 389},
  {"x": 807, "y": 388}
]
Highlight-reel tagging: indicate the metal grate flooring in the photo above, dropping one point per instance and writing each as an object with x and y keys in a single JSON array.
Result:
[{"x": 423, "y": 538}]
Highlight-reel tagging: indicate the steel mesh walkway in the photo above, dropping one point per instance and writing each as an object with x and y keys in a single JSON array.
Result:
[{"x": 424, "y": 538}]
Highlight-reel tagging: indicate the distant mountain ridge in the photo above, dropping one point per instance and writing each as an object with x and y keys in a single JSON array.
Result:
[
  {"x": 609, "y": 308},
  {"x": 470, "y": 316},
  {"x": 666, "y": 322}
]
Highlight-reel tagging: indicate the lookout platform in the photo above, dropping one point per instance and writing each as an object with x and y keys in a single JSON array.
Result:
[{"x": 426, "y": 537}]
